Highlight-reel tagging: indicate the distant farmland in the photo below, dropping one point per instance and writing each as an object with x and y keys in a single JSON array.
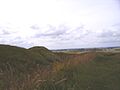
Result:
[{"x": 82, "y": 50}]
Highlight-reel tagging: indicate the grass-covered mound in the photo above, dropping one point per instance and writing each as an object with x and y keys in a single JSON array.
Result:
[
  {"x": 47, "y": 54},
  {"x": 22, "y": 58},
  {"x": 17, "y": 63}
]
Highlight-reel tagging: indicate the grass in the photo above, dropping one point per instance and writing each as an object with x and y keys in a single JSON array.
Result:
[
  {"x": 101, "y": 73},
  {"x": 17, "y": 64},
  {"x": 38, "y": 68}
]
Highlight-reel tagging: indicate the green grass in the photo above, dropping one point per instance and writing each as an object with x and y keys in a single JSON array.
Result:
[
  {"x": 17, "y": 63},
  {"x": 102, "y": 73},
  {"x": 38, "y": 68},
  {"x": 47, "y": 54}
]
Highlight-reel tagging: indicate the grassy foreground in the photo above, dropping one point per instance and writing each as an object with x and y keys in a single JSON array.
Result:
[{"x": 39, "y": 69}]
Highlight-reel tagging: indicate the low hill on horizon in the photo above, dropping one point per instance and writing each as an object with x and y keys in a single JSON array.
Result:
[
  {"x": 22, "y": 58},
  {"x": 47, "y": 54}
]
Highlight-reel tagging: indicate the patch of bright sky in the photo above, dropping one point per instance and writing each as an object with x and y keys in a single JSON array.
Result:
[{"x": 55, "y": 12}]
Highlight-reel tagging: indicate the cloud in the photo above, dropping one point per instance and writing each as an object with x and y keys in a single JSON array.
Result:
[
  {"x": 4, "y": 30},
  {"x": 63, "y": 32},
  {"x": 110, "y": 35},
  {"x": 61, "y": 36},
  {"x": 64, "y": 36},
  {"x": 21, "y": 42},
  {"x": 35, "y": 27},
  {"x": 113, "y": 31},
  {"x": 79, "y": 32},
  {"x": 116, "y": 25},
  {"x": 52, "y": 32},
  {"x": 14, "y": 36}
]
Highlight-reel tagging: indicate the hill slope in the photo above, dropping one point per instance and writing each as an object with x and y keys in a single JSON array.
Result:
[
  {"x": 100, "y": 72},
  {"x": 47, "y": 54},
  {"x": 38, "y": 68},
  {"x": 25, "y": 59},
  {"x": 17, "y": 63}
]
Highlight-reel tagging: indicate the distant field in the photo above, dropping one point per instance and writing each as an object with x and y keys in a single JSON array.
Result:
[
  {"x": 38, "y": 68},
  {"x": 82, "y": 50}
]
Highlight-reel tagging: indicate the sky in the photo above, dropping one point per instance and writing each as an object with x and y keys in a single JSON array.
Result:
[{"x": 60, "y": 24}]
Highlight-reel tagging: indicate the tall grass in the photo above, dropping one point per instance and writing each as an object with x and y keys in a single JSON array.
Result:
[{"x": 88, "y": 71}]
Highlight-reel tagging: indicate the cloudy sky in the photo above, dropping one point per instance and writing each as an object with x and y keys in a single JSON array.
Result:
[{"x": 59, "y": 24}]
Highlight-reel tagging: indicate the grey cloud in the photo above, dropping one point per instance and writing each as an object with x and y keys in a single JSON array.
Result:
[
  {"x": 35, "y": 27},
  {"x": 53, "y": 32},
  {"x": 110, "y": 40},
  {"x": 5, "y": 32},
  {"x": 111, "y": 36},
  {"x": 110, "y": 33},
  {"x": 116, "y": 25},
  {"x": 17, "y": 41},
  {"x": 81, "y": 32},
  {"x": 63, "y": 33},
  {"x": 2, "y": 41},
  {"x": 106, "y": 34}
]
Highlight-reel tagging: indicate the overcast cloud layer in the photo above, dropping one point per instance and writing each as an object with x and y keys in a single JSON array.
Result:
[{"x": 60, "y": 23}]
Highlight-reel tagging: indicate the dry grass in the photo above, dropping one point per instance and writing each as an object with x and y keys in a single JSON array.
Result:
[{"x": 42, "y": 77}]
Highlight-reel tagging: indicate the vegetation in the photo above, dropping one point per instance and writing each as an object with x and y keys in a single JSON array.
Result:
[
  {"x": 38, "y": 68},
  {"x": 101, "y": 73},
  {"x": 18, "y": 64}
]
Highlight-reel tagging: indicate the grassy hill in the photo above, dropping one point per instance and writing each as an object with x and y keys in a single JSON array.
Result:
[
  {"x": 47, "y": 54},
  {"x": 25, "y": 57},
  {"x": 17, "y": 62},
  {"x": 38, "y": 68}
]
